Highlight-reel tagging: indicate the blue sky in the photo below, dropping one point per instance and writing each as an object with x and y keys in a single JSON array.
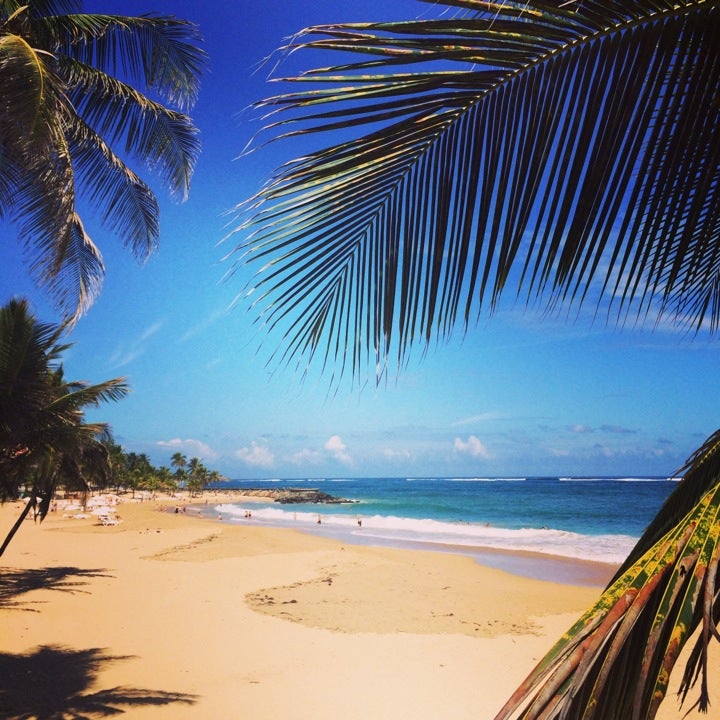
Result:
[{"x": 514, "y": 397}]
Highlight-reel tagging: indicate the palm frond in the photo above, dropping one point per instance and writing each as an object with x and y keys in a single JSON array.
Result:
[
  {"x": 27, "y": 348},
  {"x": 616, "y": 661},
  {"x": 127, "y": 206},
  {"x": 565, "y": 151},
  {"x": 44, "y": 438},
  {"x": 697, "y": 473},
  {"x": 165, "y": 140},
  {"x": 161, "y": 53},
  {"x": 81, "y": 395},
  {"x": 21, "y": 92},
  {"x": 67, "y": 125},
  {"x": 41, "y": 8}
]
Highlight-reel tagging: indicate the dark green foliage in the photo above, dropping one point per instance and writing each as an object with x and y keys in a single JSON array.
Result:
[
  {"x": 80, "y": 97},
  {"x": 44, "y": 439}
]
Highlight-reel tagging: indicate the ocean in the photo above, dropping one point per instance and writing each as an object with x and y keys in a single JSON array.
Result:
[{"x": 574, "y": 518}]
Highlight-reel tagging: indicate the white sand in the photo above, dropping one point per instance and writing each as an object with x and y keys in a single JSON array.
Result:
[{"x": 221, "y": 621}]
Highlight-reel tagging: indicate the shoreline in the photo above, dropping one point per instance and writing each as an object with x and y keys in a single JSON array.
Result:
[
  {"x": 524, "y": 563},
  {"x": 168, "y": 616}
]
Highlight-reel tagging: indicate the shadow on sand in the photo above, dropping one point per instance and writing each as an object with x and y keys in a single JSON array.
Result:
[
  {"x": 14, "y": 582},
  {"x": 53, "y": 683},
  {"x": 56, "y": 683}
]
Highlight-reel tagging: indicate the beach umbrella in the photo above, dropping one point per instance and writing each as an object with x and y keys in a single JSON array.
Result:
[{"x": 103, "y": 510}]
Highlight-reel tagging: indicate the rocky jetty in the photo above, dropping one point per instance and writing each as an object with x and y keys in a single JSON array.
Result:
[{"x": 289, "y": 496}]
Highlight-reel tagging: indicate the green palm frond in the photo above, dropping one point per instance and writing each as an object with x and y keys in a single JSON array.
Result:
[
  {"x": 42, "y": 8},
  {"x": 73, "y": 271},
  {"x": 27, "y": 349},
  {"x": 21, "y": 91},
  {"x": 558, "y": 150},
  {"x": 44, "y": 438},
  {"x": 81, "y": 395},
  {"x": 561, "y": 151},
  {"x": 68, "y": 128},
  {"x": 164, "y": 139},
  {"x": 161, "y": 53},
  {"x": 126, "y": 205},
  {"x": 616, "y": 661},
  {"x": 699, "y": 473}
]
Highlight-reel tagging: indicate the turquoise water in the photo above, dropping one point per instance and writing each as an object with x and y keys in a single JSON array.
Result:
[{"x": 596, "y": 519}]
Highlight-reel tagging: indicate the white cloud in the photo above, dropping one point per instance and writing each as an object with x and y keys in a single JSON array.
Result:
[
  {"x": 259, "y": 455},
  {"x": 126, "y": 352},
  {"x": 205, "y": 323},
  {"x": 483, "y": 417},
  {"x": 194, "y": 448},
  {"x": 337, "y": 448},
  {"x": 305, "y": 457},
  {"x": 149, "y": 331},
  {"x": 472, "y": 447},
  {"x": 392, "y": 454}
]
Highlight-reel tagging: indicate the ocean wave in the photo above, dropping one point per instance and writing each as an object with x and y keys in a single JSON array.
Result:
[
  {"x": 393, "y": 529},
  {"x": 467, "y": 479},
  {"x": 616, "y": 479},
  {"x": 486, "y": 479}
]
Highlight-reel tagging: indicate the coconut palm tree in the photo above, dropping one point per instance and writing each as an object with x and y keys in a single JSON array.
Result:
[
  {"x": 81, "y": 95},
  {"x": 44, "y": 439},
  {"x": 198, "y": 476},
  {"x": 565, "y": 152},
  {"x": 180, "y": 463}
]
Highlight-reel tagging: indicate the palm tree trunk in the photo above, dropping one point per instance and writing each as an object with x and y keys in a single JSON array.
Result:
[{"x": 18, "y": 523}]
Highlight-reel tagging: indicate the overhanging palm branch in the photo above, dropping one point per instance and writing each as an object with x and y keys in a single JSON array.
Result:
[
  {"x": 616, "y": 661},
  {"x": 81, "y": 95},
  {"x": 566, "y": 150}
]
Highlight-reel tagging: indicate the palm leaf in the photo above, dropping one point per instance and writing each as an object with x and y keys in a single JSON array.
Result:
[
  {"x": 616, "y": 661},
  {"x": 33, "y": 109},
  {"x": 560, "y": 151},
  {"x": 80, "y": 395},
  {"x": 162, "y": 53},
  {"x": 564, "y": 151},
  {"x": 21, "y": 92},
  {"x": 127, "y": 206},
  {"x": 67, "y": 125},
  {"x": 44, "y": 438},
  {"x": 27, "y": 348},
  {"x": 162, "y": 138}
]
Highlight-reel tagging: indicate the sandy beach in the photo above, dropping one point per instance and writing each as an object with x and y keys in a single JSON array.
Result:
[{"x": 167, "y": 615}]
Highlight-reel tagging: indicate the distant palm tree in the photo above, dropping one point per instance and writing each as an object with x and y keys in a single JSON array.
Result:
[
  {"x": 562, "y": 151},
  {"x": 198, "y": 476},
  {"x": 70, "y": 118},
  {"x": 166, "y": 480},
  {"x": 44, "y": 439},
  {"x": 179, "y": 462}
]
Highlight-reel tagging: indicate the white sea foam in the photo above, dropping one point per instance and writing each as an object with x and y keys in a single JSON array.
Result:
[
  {"x": 468, "y": 479},
  {"x": 392, "y": 529},
  {"x": 616, "y": 479},
  {"x": 486, "y": 479}
]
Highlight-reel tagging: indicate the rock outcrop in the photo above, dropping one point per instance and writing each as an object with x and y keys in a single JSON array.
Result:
[{"x": 288, "y": 496}]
